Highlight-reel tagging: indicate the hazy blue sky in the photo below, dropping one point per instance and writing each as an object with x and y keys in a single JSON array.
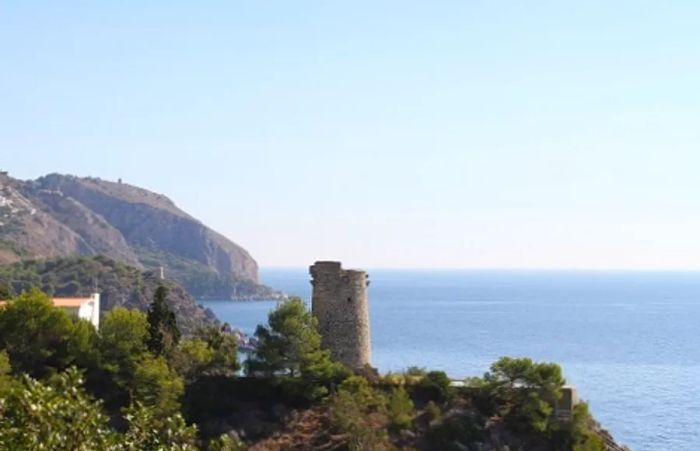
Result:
[{"x": 533, "y": 134}]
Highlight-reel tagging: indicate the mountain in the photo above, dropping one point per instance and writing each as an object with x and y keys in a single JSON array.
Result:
[{"x": 63, "y": 215}]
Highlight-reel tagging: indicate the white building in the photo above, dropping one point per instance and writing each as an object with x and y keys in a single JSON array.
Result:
[{"x": 84, "y": 308}]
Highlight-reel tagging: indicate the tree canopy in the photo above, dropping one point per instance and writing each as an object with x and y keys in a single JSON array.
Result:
[
  {"x": 163, "y": 334},
  {"x": 290, "y": 346},
  {"x": 526, "y": 390},
  {"x": 41, "y": 339}
]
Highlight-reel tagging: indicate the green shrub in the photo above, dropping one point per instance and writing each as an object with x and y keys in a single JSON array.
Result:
[
  {"x": 400, "y": 409},
  {"x": 454, "y": 433},
  {"x": 433, "y": 411},
  {"x": 157, "y": 386},
  {"x": 56, "y": 415},
  {"x": 226, "y": 442},
  {"x": 359, "y": 412},
  {"x": 435, "y": 386}
]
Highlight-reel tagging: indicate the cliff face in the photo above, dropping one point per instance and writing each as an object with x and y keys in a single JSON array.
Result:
[{"x": 59, "y": 215}]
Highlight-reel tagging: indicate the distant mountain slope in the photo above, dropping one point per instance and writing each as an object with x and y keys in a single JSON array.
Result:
[{"x": 63, "y": 215}]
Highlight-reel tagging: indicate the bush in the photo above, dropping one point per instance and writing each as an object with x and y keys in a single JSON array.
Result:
[
  {"x": 150, "y": 431},
  {"x": 433, "y": 411},
  {"x": 454, "y": 433},
  {"x": 400, "y": 409},
  {"x": 359, "y": 412},
  {"x": 226, "y": 443},
  {"x": 58, "y": 415},
  {"x": 158, "y": 387},
  {"x": 435, "y": 386}
]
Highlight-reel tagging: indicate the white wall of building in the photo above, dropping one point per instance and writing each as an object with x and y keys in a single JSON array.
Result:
[{"x": 90, "y": 310}]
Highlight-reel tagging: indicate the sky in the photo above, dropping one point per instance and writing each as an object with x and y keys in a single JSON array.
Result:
[{"x": 465, "y": 134}]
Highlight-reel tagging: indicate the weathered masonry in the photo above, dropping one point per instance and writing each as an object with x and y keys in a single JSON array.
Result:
[{"x": 339, "y": 302}]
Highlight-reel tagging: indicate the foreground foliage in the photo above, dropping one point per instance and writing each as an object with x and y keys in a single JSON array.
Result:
[{"x": 139, "y": 385}]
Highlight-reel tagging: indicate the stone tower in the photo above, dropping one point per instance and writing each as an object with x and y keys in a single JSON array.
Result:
[{"x": 339, "y": 302}]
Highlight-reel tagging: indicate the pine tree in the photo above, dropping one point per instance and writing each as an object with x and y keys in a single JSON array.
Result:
[{"x": 163, "y": 334}]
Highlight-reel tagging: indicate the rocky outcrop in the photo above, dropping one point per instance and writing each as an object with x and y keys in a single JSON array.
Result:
[
  {"x": 28, "y": 231},
  {"x": 98, "y": 235},
  {"x": 63, "y": 215}
]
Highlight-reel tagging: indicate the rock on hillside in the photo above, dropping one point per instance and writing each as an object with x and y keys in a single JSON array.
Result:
[
  {"x": 26, "y": 230},
  {"x": 62, "y": 215},
  {"x": 98, "y": 234}
]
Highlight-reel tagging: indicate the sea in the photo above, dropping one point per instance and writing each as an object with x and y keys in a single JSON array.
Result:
[{"x": 629, "y": 341}]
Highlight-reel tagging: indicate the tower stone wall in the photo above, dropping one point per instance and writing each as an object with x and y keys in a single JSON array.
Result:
[{"x": 340, "y": 304}]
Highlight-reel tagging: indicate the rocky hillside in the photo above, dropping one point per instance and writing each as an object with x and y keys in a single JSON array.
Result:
[{"x": 60, "y": 215}]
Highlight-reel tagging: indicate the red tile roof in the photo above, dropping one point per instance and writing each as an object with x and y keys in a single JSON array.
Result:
[{"x": 62, "y": 302}]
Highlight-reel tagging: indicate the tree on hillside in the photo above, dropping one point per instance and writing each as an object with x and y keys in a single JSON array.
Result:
[
  {"x": 435, "y": 386},
  {"x": 157, "y": 386},
  {"x": 225, "y": 346},
  {"x": 290, "y": 345},
  {"x": 525, "y": 390},
  {"x": 41, "y": 339},
  {"x": 211, "y": 352},
  {"x": 163, "y": 334},
  {"x": 122, "y": 346}
]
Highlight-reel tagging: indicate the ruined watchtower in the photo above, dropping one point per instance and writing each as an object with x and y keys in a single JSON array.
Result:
[{"x": 339, "y": 302}]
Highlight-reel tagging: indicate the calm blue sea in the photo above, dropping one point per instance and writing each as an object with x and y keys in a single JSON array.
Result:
[{"x": 630, "y": 341}]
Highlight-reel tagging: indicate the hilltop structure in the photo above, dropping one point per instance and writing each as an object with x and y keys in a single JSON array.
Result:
[{"x": 339, "y": 302}]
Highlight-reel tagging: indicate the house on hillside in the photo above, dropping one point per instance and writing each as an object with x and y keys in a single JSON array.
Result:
[{"x": 83, "y": 308}]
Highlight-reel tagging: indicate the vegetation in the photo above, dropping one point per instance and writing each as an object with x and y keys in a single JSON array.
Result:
[
  {"x": 5, "y": 291},
  {"x": 163, "y": 334},
  {"x": 68, "y": 276},
  {"x": 137, "y": 384},
  {"x": 119, "y": 284},
  {"x": 59, "y": 414},
  {"x": 359, "y": 412},
  {"x": 290, "y": 347},
  {"x": 524, "y": 391},
  {"x": 200, "y": 280},
  {"x": 40, "y": 339}
]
